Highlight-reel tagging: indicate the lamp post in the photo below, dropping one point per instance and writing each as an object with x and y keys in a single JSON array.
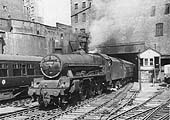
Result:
[{"x": 139, "y": 72}]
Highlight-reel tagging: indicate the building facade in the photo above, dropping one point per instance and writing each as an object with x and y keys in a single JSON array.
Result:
[
  {"x": 23, "y": 33},
  {"x": 19, "y": 37},
  {"x": 81, "y": 15},
  {"x": 32, "y": 10},
  {"x": 151, "y": 29},
  {"x": 12, "y": 9}
]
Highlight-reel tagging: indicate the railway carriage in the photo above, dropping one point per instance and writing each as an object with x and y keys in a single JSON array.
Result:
[
  {"x": 16, "y": 74},
  {"x": 78, "y": 75}
]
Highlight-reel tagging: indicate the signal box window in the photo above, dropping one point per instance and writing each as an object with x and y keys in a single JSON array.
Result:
[
  {"x": 146, "y": 62},
  {"x": 3, "y": 70},
  {"x": 30, "y": 69},
  {"x": 151, "y": 61},
  {"x": 167, "y": 8},
  {"x": 141, "y": 62},
  {"x": 16, "y": 69},
  {"x": 159, "y": 29}
]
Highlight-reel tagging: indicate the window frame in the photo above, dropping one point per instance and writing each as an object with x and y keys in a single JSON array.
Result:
[
  {"x": 159, "y": 29},
  {"x": 167, "y": 8},
  {"x": 151, "y": 61},
  {"x": 83, "y": 17},
  {"x": 4, "y": 67},
  {"x": 146, "y": 61},
  {"x": 153, "y": 11},
  {"x": 17, "y": 67},
  {"x": 76, "y": 6},
  {"x": 76, "y": 18},
  {"x": 84, "y": 4}
]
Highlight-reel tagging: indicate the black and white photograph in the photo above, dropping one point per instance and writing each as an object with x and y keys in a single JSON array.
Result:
[{"x": 84, "y": 59}]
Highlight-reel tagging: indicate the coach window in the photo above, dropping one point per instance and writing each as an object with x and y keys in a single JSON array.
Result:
[
  {"x": 3, "y": 70},
  {"x": 24, "y": 71},
  {"x": 16, "y": 69},
  {"x": 30, "y": 69}
]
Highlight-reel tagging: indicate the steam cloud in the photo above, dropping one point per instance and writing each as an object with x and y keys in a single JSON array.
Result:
[{"x": 116, "y": 20}]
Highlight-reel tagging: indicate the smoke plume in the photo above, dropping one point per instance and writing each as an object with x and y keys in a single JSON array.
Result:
[{"x": 115, "y": 20}]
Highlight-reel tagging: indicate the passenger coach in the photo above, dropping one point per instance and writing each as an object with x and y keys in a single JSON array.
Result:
[{"x": 16, "y": 74}]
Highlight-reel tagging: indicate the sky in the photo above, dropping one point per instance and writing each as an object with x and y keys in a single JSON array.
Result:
[{"x": 56, "y": 11}]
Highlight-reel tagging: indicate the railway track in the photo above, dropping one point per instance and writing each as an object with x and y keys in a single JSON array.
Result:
[
  {"x": 79, "y": 111},
  {"x": 34, "y": 113},
  {"x": 162, "y": 112},
  {"x": 138, "y": 112},
  {"x": 16, "y": 103},
  {"x": 95, "y": 108}
]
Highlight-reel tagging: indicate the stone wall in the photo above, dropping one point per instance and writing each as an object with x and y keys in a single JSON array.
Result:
[{"x": 12, "y": 9}]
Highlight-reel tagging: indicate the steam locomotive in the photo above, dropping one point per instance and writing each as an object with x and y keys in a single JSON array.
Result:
[
  {"x": 16, "y": 74},
  {"x": 77, "y": 76}
]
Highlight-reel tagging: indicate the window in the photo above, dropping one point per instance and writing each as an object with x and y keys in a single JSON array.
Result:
[
  {"x": 38, "y": 32},
  {"x": 151, "y": 61},
  {"x": 76, "y": 29},
  {"x": 24, "y": 70},
  {"x": 30, "y": 69},
  {"x": 62, "y": 36},
  {"x": 141, "y": 62},
  {"x": 83, "y": 30},
  {"x": 84, "y": 17},
  {"x": 159, "y": 29},
  {"x": 76, "y": 6},
  {"x": 83, "y": 4},
  {"x": 167, "y": 8},
  {"x": 76, "y": 18},
  {"x": 4, "y": 7},
  {"x": 153, "y": 9},
  {"x": 146, "y": 62},
  {"x": 90, "y": 4},
  {"x": 3, "y": 70},
  {"x": 16, "y": 69}
]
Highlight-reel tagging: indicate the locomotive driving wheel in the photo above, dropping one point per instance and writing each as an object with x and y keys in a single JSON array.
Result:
[
  {"x": 99, "y": 89},
  {"x": 83, "y": 92}
]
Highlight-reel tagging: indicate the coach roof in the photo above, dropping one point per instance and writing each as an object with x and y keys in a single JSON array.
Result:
[{"x": 19, "y": 58}]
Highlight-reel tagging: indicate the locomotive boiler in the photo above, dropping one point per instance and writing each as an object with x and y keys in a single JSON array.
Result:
[{"x": 77, "y": 76}]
